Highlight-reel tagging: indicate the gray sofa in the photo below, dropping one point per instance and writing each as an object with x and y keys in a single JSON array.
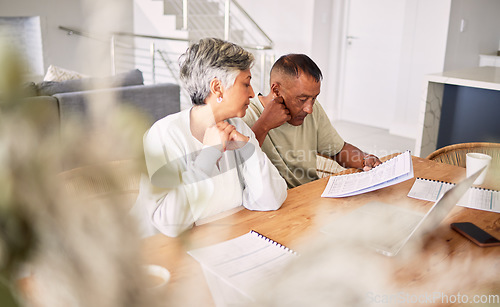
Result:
[
  {"x": 73, "y": 98},
  {"x": 70, "y": 102},
  {"x": 153, "y": 101}
]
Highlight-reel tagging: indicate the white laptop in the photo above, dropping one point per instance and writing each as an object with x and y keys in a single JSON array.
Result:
[{"x": 387, "y": 228}]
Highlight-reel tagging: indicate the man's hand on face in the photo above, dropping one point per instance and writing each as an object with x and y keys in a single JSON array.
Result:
[{"x": 275, "y": 113}]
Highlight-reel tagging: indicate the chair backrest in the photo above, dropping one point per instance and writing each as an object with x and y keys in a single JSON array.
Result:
[
  {"x": 326, "y": 167},
  {"x": 456, "y": 154}
]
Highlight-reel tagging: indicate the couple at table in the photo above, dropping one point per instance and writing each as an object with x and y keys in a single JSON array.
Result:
[{"x": 231, "y": 149}]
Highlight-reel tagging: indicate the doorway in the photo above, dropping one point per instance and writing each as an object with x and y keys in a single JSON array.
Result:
[{"x": 370, "y": 61}]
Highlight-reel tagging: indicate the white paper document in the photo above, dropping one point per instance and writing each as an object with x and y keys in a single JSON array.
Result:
[
  {"x": 430, "y": 190},
  {"x": 395, "y": 170},
  {"x": 476, "y": 198},
  {"x": 243, "y": 263}
]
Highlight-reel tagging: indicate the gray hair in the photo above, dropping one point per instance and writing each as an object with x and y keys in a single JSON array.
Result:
[{"x": 208, "y": 59}]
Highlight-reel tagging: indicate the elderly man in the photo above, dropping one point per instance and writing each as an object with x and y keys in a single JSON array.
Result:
[{"x": 292, "y": 127}]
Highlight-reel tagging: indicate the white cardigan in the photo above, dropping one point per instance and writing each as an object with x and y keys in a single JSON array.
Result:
[{"x": 189, "y": 183}]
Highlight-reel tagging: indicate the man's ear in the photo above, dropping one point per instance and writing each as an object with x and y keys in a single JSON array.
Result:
[{"x": 275, "y": 89}]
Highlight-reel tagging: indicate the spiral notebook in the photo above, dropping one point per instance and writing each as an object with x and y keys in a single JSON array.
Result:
[
  {"x": 233, "y": 269},
  {"x": 476, "y": 198}
]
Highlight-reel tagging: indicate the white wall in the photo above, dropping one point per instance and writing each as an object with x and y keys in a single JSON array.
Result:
[
  {"x": 325, "y": 48},
  {"x": 423, "y": 52},
  {"x": 149, "y": 19},
  {"x": 85, "y": 55},
  {"x": 481, "y": 33},
  {"x": 289, "y": 23},
  {"x": 333, "y": 72},
  {"x": 301, "y": 26}
]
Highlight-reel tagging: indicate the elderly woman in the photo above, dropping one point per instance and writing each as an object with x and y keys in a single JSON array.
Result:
[{"x": 204, "y": 163}]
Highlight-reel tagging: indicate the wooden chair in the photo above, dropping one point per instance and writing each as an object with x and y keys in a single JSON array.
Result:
[
  {"x": 115, "y": 179},
  {"x": 456, "y": 154},
  {"x": 326, "y": 167}
]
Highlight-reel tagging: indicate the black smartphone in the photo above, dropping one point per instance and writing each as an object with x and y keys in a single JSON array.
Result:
[{"x": 475, "y": 234}]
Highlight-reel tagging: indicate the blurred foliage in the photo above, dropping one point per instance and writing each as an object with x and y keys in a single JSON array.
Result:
[
  {"x": 77, "y": 246},
  {"x": 17, "y": 239},
  {"x": 6, "y": 297}
]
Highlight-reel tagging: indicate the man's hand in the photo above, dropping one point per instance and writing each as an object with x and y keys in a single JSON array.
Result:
[
  {"x": 351, "y": 156},
  {"x": 370, "y": 161},
  {"x": 274, "y": 115}
]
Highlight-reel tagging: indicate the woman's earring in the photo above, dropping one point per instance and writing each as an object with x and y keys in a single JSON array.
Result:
[{"x": 219, "y": 99}]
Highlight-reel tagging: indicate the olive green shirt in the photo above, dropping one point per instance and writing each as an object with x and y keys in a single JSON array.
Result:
[{"x": 293, "y": 149}]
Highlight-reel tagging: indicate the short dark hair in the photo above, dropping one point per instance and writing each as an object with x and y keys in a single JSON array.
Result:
[{"x": 294, "y": 63}]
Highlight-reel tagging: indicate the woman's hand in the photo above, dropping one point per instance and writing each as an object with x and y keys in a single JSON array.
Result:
[
  {"x": 224, "y": 136},
  {"x": 218, "y": 135},
  {"x": 236, "y": 140}
]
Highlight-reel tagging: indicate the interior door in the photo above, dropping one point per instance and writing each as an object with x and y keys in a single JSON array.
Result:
[{"x": 371, "y": 61}]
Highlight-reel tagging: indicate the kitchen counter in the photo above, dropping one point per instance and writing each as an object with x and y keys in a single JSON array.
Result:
[{"x": 485, "y": 77}]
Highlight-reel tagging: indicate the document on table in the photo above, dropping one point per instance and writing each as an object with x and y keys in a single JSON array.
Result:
[
  {"x": 395, "y": 170},
  {"x": 243, "y": 263},
  {"x": 476, "y": 198},
  {"x": 428, "y": 189}
]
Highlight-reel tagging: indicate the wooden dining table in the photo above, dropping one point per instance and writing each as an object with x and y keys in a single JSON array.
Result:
[{"x": 442, "y": 268}]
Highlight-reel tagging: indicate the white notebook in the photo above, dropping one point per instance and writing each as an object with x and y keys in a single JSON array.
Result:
[{"x": 242, "y": 263}]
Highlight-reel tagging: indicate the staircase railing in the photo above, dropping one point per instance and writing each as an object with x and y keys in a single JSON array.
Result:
[
  {"x": 242, "y": 11},
  {"x": 194, "y": 16},
  {"x": 157, "y": 57}
]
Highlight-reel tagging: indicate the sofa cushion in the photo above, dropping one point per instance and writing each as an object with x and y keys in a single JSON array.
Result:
[
  {"x": 49, "y": 88},
  {"x": 55, "y": 73}
]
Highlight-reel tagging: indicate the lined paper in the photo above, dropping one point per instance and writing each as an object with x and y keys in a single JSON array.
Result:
[
  {"x": 476, "y": 198},
  {"x": 430, "y": 190},
  {"x": 246, "y": 261},
  {"x": 393, "y": 171}
]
